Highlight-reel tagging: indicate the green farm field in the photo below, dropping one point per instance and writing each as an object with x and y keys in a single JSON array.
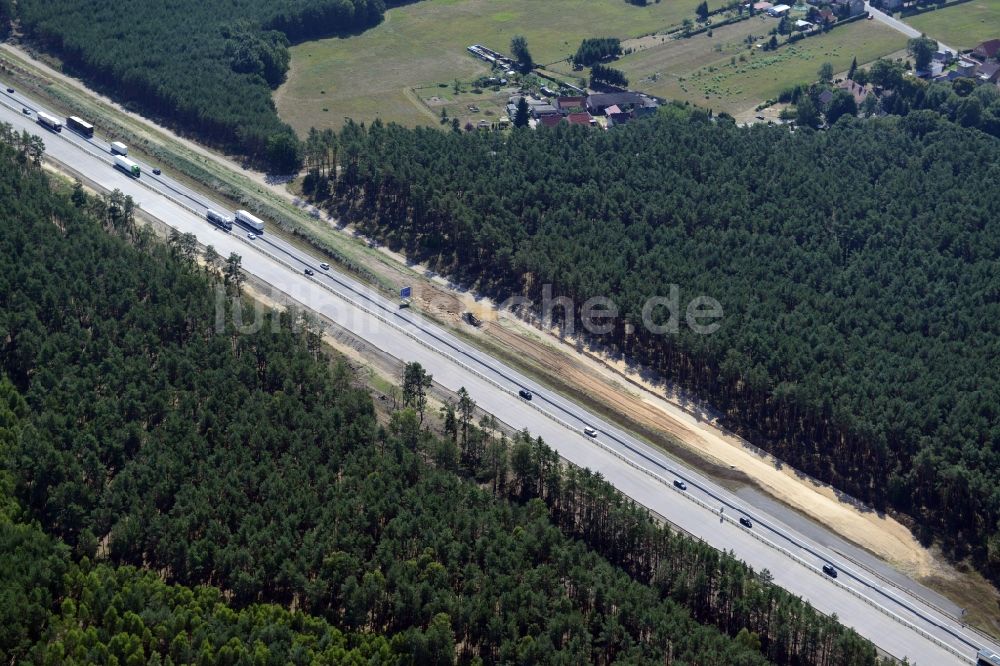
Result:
[
  {"x": 963, "y": 26},
  {"x": 722, "y": 73},
  {"x": 418, "y": 46}
]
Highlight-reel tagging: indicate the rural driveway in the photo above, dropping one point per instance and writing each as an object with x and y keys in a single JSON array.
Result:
[{"x": 898, "y": 25}]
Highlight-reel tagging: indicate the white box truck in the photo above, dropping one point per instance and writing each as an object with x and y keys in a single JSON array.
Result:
[{"x": 118, "y": 148}]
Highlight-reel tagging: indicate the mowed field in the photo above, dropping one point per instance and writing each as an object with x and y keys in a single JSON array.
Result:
[
  {"x": 421, "y": 45},
  {"x": 722, "y": 73},
  {"x": 963, "y": 26}
]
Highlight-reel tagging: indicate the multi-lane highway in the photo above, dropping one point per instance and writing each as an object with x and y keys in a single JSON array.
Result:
[{"x": 899, "y": 622}]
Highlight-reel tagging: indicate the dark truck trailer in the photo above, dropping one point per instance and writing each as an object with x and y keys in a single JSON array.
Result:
[{"x": 80, "y": 126}]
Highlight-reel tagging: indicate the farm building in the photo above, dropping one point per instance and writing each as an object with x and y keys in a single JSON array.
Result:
[
  {"x": 779, "y": 10},
  {"x": 542, "y": 110},
  {"x": 565, "y": 104},
  {"x": 598, "y": 104}
]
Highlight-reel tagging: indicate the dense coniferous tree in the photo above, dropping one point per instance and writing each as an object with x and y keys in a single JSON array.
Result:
[
  {"x": 602, "y": 74},
  {"x": 242, "y": 461},
  {"x": 856, "y": 269},
  {"x": 519, "y": 49},
  {"x": 207, "y": 67},
  {"x": 595, "y": 50}
]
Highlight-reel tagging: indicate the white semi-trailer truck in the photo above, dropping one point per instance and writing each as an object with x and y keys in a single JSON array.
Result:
[
  {"x": 252, "y": 222},
  {"x": 118, "y": 148},
  {"x": 50, "y": 122},
  {"x": 127, "y": 165}
]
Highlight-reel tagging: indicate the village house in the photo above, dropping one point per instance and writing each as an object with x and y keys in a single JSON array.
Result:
[
  {"x": 858, "y": 91},
  {"x": 849, "y": 8},
  {"x": 842, "y": 8},
  {"x": 618, "y": 118},
  {"x": 967, "y": 68},
  {"x": 936, "y": 70},
  {"x": 944, "y": 56},
  {"x": 988, "y": 72},
  {"x": 987, "y": 50}
]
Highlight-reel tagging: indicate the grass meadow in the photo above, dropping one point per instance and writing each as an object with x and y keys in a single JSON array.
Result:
[{"x": 963, "y": 26}]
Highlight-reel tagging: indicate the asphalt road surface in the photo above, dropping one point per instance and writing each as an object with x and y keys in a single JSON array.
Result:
[
  {"x": 899, "y": 26},
  {"x": 896, "y": 620}
]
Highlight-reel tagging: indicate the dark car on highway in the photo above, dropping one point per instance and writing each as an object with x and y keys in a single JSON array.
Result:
[
  {"x": 309, "y": 271},
  {"x": 830, "y": 570},
  {"x": 680, "y": 484},
  {"x": 745, "y": 522},
  {"x": 524, "y": 393}
]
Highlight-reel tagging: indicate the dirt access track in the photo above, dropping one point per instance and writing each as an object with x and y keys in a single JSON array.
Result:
[{"x": 648, "y": 408}]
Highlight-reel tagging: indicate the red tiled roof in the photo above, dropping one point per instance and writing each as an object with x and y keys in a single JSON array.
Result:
[
  {"x": 989, "y": 48},
  {"x": 570, "y": 102},
  {"x": 550, "y": 121},
  {"x": 578, "y": 118}
]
